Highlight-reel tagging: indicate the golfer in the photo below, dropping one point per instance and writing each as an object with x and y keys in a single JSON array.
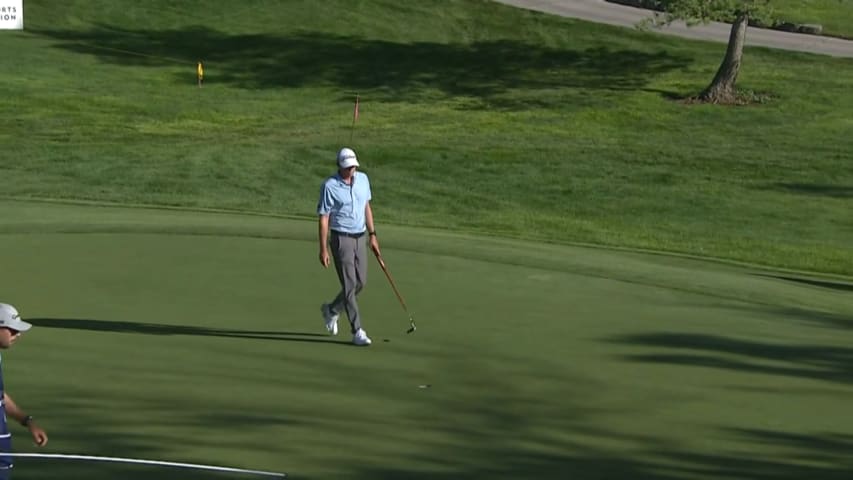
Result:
[
  {"x": 11, "y": 328},
  {"x": 346, "y": 223}
]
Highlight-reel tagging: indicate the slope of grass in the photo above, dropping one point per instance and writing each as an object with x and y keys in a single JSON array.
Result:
[{"x": 474, "y": 117}]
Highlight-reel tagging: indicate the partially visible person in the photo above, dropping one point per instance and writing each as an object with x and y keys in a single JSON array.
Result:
[
  {"x": 11, "y": 328},
  {"x": 346, "y": 222}
]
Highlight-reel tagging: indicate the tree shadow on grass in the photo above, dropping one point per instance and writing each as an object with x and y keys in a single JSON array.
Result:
[
  {"x": 487, "y": 427},
  {"x": 824, "y": 319},
  {"x": 829, "y": 284},
  {"x": 825, "y": 445},
  {"x": 795, "y": 456},
  {"x": 791, "y": 456},
  {"x": 815, "y": 362},
  {"x": 392, "y": 71},
  {"x": 805, "y": 316},
  {"x": 815, "y": 189},
  {"x": 162, "y": 329}
]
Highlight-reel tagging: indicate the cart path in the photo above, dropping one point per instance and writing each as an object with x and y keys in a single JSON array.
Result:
[{"x": 601, "y": 11}]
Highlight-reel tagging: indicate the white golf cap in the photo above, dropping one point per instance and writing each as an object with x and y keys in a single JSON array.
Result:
[
  {"x": 10, "y": 318},
  {"x": 347, "y": 158}
]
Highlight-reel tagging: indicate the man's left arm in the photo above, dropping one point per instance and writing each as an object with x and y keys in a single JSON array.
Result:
[
  {"x": 371, "y": 228},
  {"x": 14, "y": 411}
]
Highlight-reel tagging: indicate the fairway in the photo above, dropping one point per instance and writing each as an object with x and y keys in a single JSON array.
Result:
[{"x": 196, "y": 337}]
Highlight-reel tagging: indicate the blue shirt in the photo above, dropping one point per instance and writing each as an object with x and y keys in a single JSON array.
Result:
[{"x": 345, "y": 203}]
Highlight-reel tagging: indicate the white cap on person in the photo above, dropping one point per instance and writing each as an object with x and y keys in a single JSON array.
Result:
[
  {"x": 347, "y": 158},
  {"x": 10, "y": 318}
]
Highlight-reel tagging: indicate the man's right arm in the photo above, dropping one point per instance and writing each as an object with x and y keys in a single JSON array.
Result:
[
  {"x": 324, "y": 209},
  {"x": 324, "y": 240}
]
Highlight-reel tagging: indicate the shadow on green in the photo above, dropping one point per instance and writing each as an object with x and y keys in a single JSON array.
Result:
[
  {"x": 815, "y": 362},
  {"x": 160, "y": 329}
]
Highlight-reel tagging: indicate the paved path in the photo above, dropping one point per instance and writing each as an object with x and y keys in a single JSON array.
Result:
[{"x": 615, "y": 14}]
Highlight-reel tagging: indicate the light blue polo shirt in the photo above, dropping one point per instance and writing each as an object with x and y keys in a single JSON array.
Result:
[{"x": 345, "y": 204}]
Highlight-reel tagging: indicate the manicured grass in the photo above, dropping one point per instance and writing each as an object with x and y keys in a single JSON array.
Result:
[
  {"x": 195, "y": 337},
  {"x": 475, "y": 117},
  {"x": 836, "y": 16}
]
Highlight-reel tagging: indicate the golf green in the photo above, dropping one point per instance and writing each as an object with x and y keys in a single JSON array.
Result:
[{"x": 194, "y": 336}]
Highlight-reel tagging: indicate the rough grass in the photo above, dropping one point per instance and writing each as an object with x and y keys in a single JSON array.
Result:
[
  {"x": 474, "y": 117},
  {"x": 836, "y": 16}
]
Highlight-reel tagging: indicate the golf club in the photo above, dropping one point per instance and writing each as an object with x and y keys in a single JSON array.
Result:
[{"x": 412, "y": 326}]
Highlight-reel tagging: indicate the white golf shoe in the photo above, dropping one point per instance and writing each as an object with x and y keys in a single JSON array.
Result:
[
  {"x": 360, "y": 338},
  {"x": 330, "y": 319}
]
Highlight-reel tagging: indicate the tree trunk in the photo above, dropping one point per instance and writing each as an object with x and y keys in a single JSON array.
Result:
[{"x": 722, "y": 88}]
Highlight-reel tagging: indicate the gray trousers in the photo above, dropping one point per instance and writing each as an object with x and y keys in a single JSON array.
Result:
[{"x": 350, "y": 256}]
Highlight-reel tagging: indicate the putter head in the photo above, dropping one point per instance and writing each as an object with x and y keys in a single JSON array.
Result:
[{"x": 412, "y": 328}]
